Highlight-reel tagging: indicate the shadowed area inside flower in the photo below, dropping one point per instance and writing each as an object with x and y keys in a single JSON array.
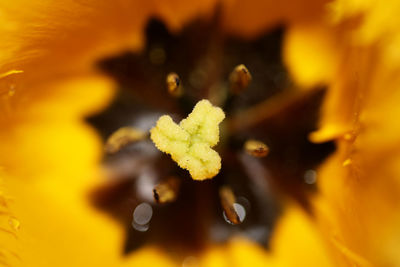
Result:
[{"x": 243, "y": 199}]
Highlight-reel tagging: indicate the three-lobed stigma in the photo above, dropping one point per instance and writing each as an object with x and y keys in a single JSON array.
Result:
[{"x": 190, "y": 143}]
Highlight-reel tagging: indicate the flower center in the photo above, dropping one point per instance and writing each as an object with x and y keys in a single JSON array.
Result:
[{"x": 158, "y": 202}]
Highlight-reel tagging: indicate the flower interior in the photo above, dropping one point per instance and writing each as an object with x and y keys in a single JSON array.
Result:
[{"x": 266, "y": 157}]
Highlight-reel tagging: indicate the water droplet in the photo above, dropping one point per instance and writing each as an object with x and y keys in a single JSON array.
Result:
[
  {"x": 240, "y": 211},
  {"x": 14, "y": 223},
  {"x": 310, "y": 177},
  {"x": 140, "y": 228},
  {"x": 142, "y": 216}
]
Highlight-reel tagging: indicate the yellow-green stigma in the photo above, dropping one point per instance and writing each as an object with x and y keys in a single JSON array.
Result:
[{"x": 190, "y": 143}]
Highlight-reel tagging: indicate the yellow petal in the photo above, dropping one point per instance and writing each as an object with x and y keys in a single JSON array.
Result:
[
  {"x": 253, "y": 17},
  {"x": 50, "y": 157},
  {"x": 38, "y": 37},
  {"x": 360, "y": 188},
  {"x": 48, "y": 129},
  {"x": 296, "y": 241},
  {"x": 311, "y": 53}
]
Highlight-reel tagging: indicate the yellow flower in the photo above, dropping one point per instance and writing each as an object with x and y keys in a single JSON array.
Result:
[{"x": 50, "y": 157}]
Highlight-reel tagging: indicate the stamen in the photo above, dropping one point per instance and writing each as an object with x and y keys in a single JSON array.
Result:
[
  {"x": 227, "y": 202},
  {"x": 239, "y": 79},
  {"x": 256, "y": 148},
  {"x": 174, "y": 84},
  {"x": 166, "y": 191},
  {"x": 122, "y": 137},
  {"x": 269, "y": 108}
]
